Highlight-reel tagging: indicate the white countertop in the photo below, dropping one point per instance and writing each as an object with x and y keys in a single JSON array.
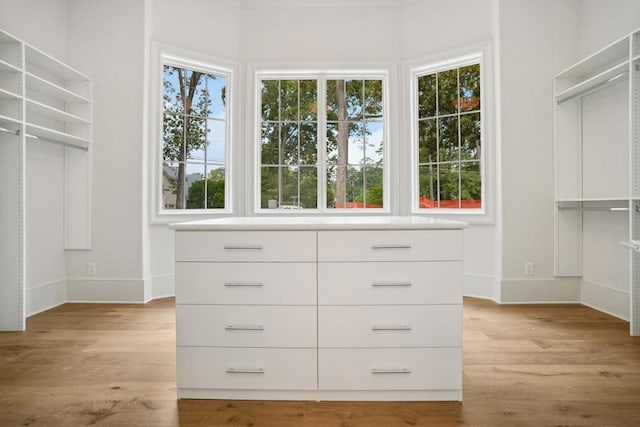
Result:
[{"x": 320, "y": 223}]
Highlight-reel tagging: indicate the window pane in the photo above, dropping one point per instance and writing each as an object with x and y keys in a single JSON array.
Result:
[
  {"x": 172, "y": 137},
  {"x": 169, "y": 185},
  {"x": 348, "y": 187},
  {"x": 196, "y": 143},
  {"x": 309, "y": 143},
  {"x": 470, "y": 133},
  {"x": 448, "y": 139},
  {"x": 269, "y": 197},
  {"x": 270, "y": 96},
  {"x": 449, "y": 186},
  {"x": 332, "y": 143},
  {"x": 470, "y": 88},
  {"x": 290, "y": 144},
  {"x": 355, "y": 98},
  {"x": 374, "y": 138},
  {"x": 288, "y": 100},
  {"x": 216, "y": 86},
  {"x": 172, "y": 101},
  {"x": 427, "y": 141},
  {"x": 373, "y": 99},
  {"x": 290, "y": 188},
  {"x": 215, "y": 186},
  {"x": 427, "y": 96},
  {"x": 332, "y": 172},
  {"x": 200, "y": 102},
  {"x": 195, "y": 185},
  {"x": 448, "y": 92},
  {"x": 308, "y": 100},
  {"x": 471, "y": 188},
  {"x": 309, "y": 187},
  {"x": 270, "y": 144},
  {"x": 216, "y": 141},
  {"x": 373, "y": 187},
  {"x": 355, "y": 147},
  {"x": 428, "y": 186}
]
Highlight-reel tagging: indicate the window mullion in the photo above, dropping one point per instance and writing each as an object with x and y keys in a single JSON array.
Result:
[{"x": 322, "y": 143}]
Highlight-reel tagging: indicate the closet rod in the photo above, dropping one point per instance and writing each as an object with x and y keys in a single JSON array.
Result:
[
  {"x": 53, "y": 141},
  {"x": 592, "y": 208},
  {"x": 592, "y": 89}
]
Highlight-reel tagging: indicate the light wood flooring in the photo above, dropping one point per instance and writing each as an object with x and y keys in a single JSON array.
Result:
[{"x": 524, "y": 365}]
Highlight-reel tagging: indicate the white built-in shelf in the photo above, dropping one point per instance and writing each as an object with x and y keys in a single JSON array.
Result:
[
  {"x": 6, "y": 94},
  {"x": 5, "y": 66},
  {"x": 600, "y": 80},
  {"x": 38, "y": 59},
  {"x": 9, "y": 122},
  {"x": 606, "y": 57},
  {"x": 593, "y": 199},
  {"x": 47, "y": 111},
  {"x": 50, "y": 135},
  {"x": 48, "y": 88}
]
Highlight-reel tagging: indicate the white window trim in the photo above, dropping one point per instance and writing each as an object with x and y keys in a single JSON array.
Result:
[
  {"x": 162, "y": 54},
  {"x": 323, "y": 74},
  {"x": 478, "y": 53}
]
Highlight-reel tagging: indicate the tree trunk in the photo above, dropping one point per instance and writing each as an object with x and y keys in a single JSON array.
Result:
[{"x": 343, "y": 145}]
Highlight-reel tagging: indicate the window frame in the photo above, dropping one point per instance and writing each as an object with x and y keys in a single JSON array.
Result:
[
  {"x": 168, "y": 55},
  {"x": 477, "y": 54},
  {"x": 322, "y": 75}
]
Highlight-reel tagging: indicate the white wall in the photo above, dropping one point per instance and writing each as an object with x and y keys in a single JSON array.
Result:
[
  {"x": 537, "y": 40},
  {"x": 42, "y": 23},
  {"x": 105, "y": 41},
  {"x": 603, "y": 22}
]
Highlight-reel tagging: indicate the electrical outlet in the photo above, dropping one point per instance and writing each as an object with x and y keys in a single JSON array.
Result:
[
  {"x": 91, "y": 268},
  {"x": 528, "y": 268}
]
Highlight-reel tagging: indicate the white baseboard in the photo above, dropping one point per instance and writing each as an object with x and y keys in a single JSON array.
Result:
[
  {"x": 45, "y": 296},
  {"x": 477, "y": 286},
  {"x": 106, "y": 290},
  {"x": 606, "y": 299},
  {"x": 564, "y": 290},
  {"x": 163, "y": 286}
]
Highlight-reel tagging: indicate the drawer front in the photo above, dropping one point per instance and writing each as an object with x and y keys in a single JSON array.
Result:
[
  {"x": 248, "y": 246},
  {"x": 389, "y": 283},
  {"x": 250, "y": 368},
  {"x": 390, "y": 326},
  {"x": 246, "y": 283},
  {"x": 246, "y": 326},
  {"x": 392, "y": 245},
  {"x": 390, "y": 369}
]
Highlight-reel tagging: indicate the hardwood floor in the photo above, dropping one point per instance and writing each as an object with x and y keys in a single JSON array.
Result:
[{"x": 524, "y": 365}]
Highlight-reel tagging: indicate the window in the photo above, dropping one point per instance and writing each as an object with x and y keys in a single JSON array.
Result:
[
  {"x": 322, "y": 142},
  {"x": 195, "y": 136},
  {"x": 448, "y": 137}
]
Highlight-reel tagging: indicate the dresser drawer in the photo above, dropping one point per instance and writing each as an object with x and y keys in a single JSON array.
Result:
[
  {"x": 256, "y": 246},
  {"x": 249, "y": 368},
  {"x": 390, "y": 326},
  {"x": 246, "y": 326},
  {"x": 390, "y": 369},
  {"x": 246, "y": 283},
  {"x": 436, "y": 282},
  {"x": 392, "y": 245}
]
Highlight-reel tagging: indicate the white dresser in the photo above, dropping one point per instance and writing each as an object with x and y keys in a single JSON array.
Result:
[{"x": 338, "y": 308}]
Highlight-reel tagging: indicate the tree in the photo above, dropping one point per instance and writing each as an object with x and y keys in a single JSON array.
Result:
[
  {"x": 184, "y": 124},
  {"x": 214, "y": 192}
]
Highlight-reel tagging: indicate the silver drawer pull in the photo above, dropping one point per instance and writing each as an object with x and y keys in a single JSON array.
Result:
[
  {"x": 391, "y": 246},
  {"x": 245, "y": 371},
  {"x": 391, "y": 328},
  {"x": 391, "y": 371},
  {"x": 391, "y": 284},
  {"x": 243, "y": 247},
  {"x": 243, "y": 284},
  {"x": 244, "y": 328}
]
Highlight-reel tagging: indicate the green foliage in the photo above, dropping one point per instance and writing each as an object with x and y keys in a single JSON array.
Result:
[{"x": 214, "y": 192}]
